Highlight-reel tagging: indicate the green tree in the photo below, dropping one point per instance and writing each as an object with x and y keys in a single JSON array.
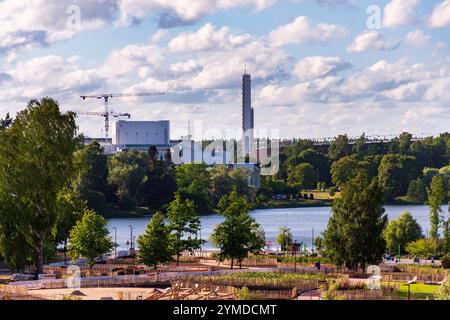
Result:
[
  {"x": 394, "y": 173},
  {"x": 194, "y": 183},
  {"x": 5, "y": 123},
  {"x": 303, "y": 176},
  {"x": 401, "y": 231},
  {"x": 344, "y": 170},
  {"x": 239, "y": 234},
  {"x": 225, "y": 179},
  {"x": 36, "y": 161},
  {"x": 358, "y": 146},
  {"x": 417, "y": 191},
  {"x": 339, "y": 148},
  {"x": 14, "y": 249},
  {"x": 354, "y": 234},
  {"x": 404, "y": 143},
  {"x": 91, "y": 183},
  {"x": 318, "y": 160},
  {"x": 285, "y": 238},
  {"x": 127, "y": 174},
  {"x": 90, "y": 238},
  {"x": 155, "y": 245},
  {"x": 160, "y": 185},
  {"x": 436, "y": 196},
  {"x": 71, "y": 211},
  {"x": 184, "y": 224}
]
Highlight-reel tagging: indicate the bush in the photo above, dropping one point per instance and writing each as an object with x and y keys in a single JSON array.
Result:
[
  {"x": 423, "y": 248},
  {"x": 444, "y": 291},
  {"x": 332, "y": 191},
  {"x": 446, "y": 261}
]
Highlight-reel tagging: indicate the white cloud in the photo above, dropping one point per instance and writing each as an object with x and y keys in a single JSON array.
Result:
[
  {"x": 159, "y": 35},
  {"x": 318, "y": 67},
  {"x": 370, "y": 41},
  {"x": 440, "y": 17},
  {"x": 417, "y": 38},
  {"x": 335, "y": 3},
  {"x": 399, "y": 81},
  {"x": 49, "y": 76},
  {"x": 208, "y": 38},
  {"x": 301, "y": 31},
  {"x": 220, "y": 69},
  {"x": 27, "y": 24},
  {"x": 181, "y": 12},
  {"x": 399, "y": 12}
]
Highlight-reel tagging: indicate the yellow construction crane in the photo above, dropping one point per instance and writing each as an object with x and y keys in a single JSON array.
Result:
[{"x": 107, "y": 114}]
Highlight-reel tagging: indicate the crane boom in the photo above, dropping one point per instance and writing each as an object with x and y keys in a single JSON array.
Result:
[
  {"x": 121, "y": 95},
  {"x": 107, "y": 96}
]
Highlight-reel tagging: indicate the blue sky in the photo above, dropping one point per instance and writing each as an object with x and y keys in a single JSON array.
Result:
[{"x": 318, "y": 70}]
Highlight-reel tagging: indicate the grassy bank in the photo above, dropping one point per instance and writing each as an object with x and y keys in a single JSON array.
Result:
[
  {"x": 292, "y": 203},
  {"x": 123, "y": 214}
]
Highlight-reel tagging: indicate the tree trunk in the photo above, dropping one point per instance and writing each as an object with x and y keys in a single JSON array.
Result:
[
  {"x": 178, "y": 259},
  {"x": 232, "y": 263},
  {"x": 39, "y": 258},
  {"x": 65, "y": 251}
]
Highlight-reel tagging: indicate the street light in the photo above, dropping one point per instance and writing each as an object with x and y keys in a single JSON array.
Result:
[
  {"x": 295, "y": 256},
  {"x": 115, "y": 242},
  {"x": 131, "y": 237}
]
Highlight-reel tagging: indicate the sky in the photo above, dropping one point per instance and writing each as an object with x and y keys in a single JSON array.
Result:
[{"x": 319, "y": 67}]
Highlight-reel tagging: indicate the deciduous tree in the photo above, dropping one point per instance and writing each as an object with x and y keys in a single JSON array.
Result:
[
  {"x": 184, "y": 224},
  {"x": 354, "y": 234},
  {"x": 36, "y": 162},
  {"x": 155, "y": 245},
  {"x": 90, "y": 238}
]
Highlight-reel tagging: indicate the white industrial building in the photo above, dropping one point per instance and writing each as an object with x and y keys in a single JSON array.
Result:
[{"x": 141, "y": 135}]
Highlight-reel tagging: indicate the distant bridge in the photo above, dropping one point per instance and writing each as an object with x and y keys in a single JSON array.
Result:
[{"x": 370, "y": 139}]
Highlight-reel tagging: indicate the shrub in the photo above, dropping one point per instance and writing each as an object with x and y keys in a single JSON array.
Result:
[
  {"x": 446, "y": 261},
  {"x": 332, "y": 191},
  {"x": 423, "y": 248},
  {"x": 243, "y": 294},
  {"x": 444, "y": 291}
]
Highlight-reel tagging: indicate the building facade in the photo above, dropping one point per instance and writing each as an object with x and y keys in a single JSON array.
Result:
[{"x": 141, "y": 135}]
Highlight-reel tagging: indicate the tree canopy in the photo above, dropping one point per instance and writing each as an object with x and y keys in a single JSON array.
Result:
[
  {"x": 401, "y": 231},
  {"x": 155, "y": 245},
  {"x": 354, "y": 234},
  {"x": 90, "y": 238},
  {"x": 36, "y": 163},
  {"x": 239, "y": 234}
]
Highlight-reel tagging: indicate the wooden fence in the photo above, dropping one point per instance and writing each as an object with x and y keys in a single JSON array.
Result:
[{"x": 404, "y": 277}]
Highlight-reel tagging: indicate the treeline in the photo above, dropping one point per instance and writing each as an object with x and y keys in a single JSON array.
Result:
[
  {"x": 405, "y": 167},
  {"x": 133, "y": 179}
]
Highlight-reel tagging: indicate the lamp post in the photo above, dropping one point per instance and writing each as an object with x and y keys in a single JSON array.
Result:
[
  {"x": 131, "y": 237},
  {"x": 295, "y": 256},
  {"x": 115, "y": 242}
]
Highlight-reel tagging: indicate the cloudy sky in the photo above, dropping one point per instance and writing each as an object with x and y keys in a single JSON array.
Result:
[{"x": 319, "y": 67}]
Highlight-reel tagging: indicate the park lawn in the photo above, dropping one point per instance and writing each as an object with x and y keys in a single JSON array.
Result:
[
  {"x": 417, "y": 289},
  {"x": 322, "y": 195}
]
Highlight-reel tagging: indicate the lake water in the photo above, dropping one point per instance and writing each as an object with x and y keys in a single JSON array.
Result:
[{"x": 303, "y": 222}]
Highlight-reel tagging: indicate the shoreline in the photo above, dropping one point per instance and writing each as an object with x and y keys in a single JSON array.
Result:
[{"x": 277, "y": 204}]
